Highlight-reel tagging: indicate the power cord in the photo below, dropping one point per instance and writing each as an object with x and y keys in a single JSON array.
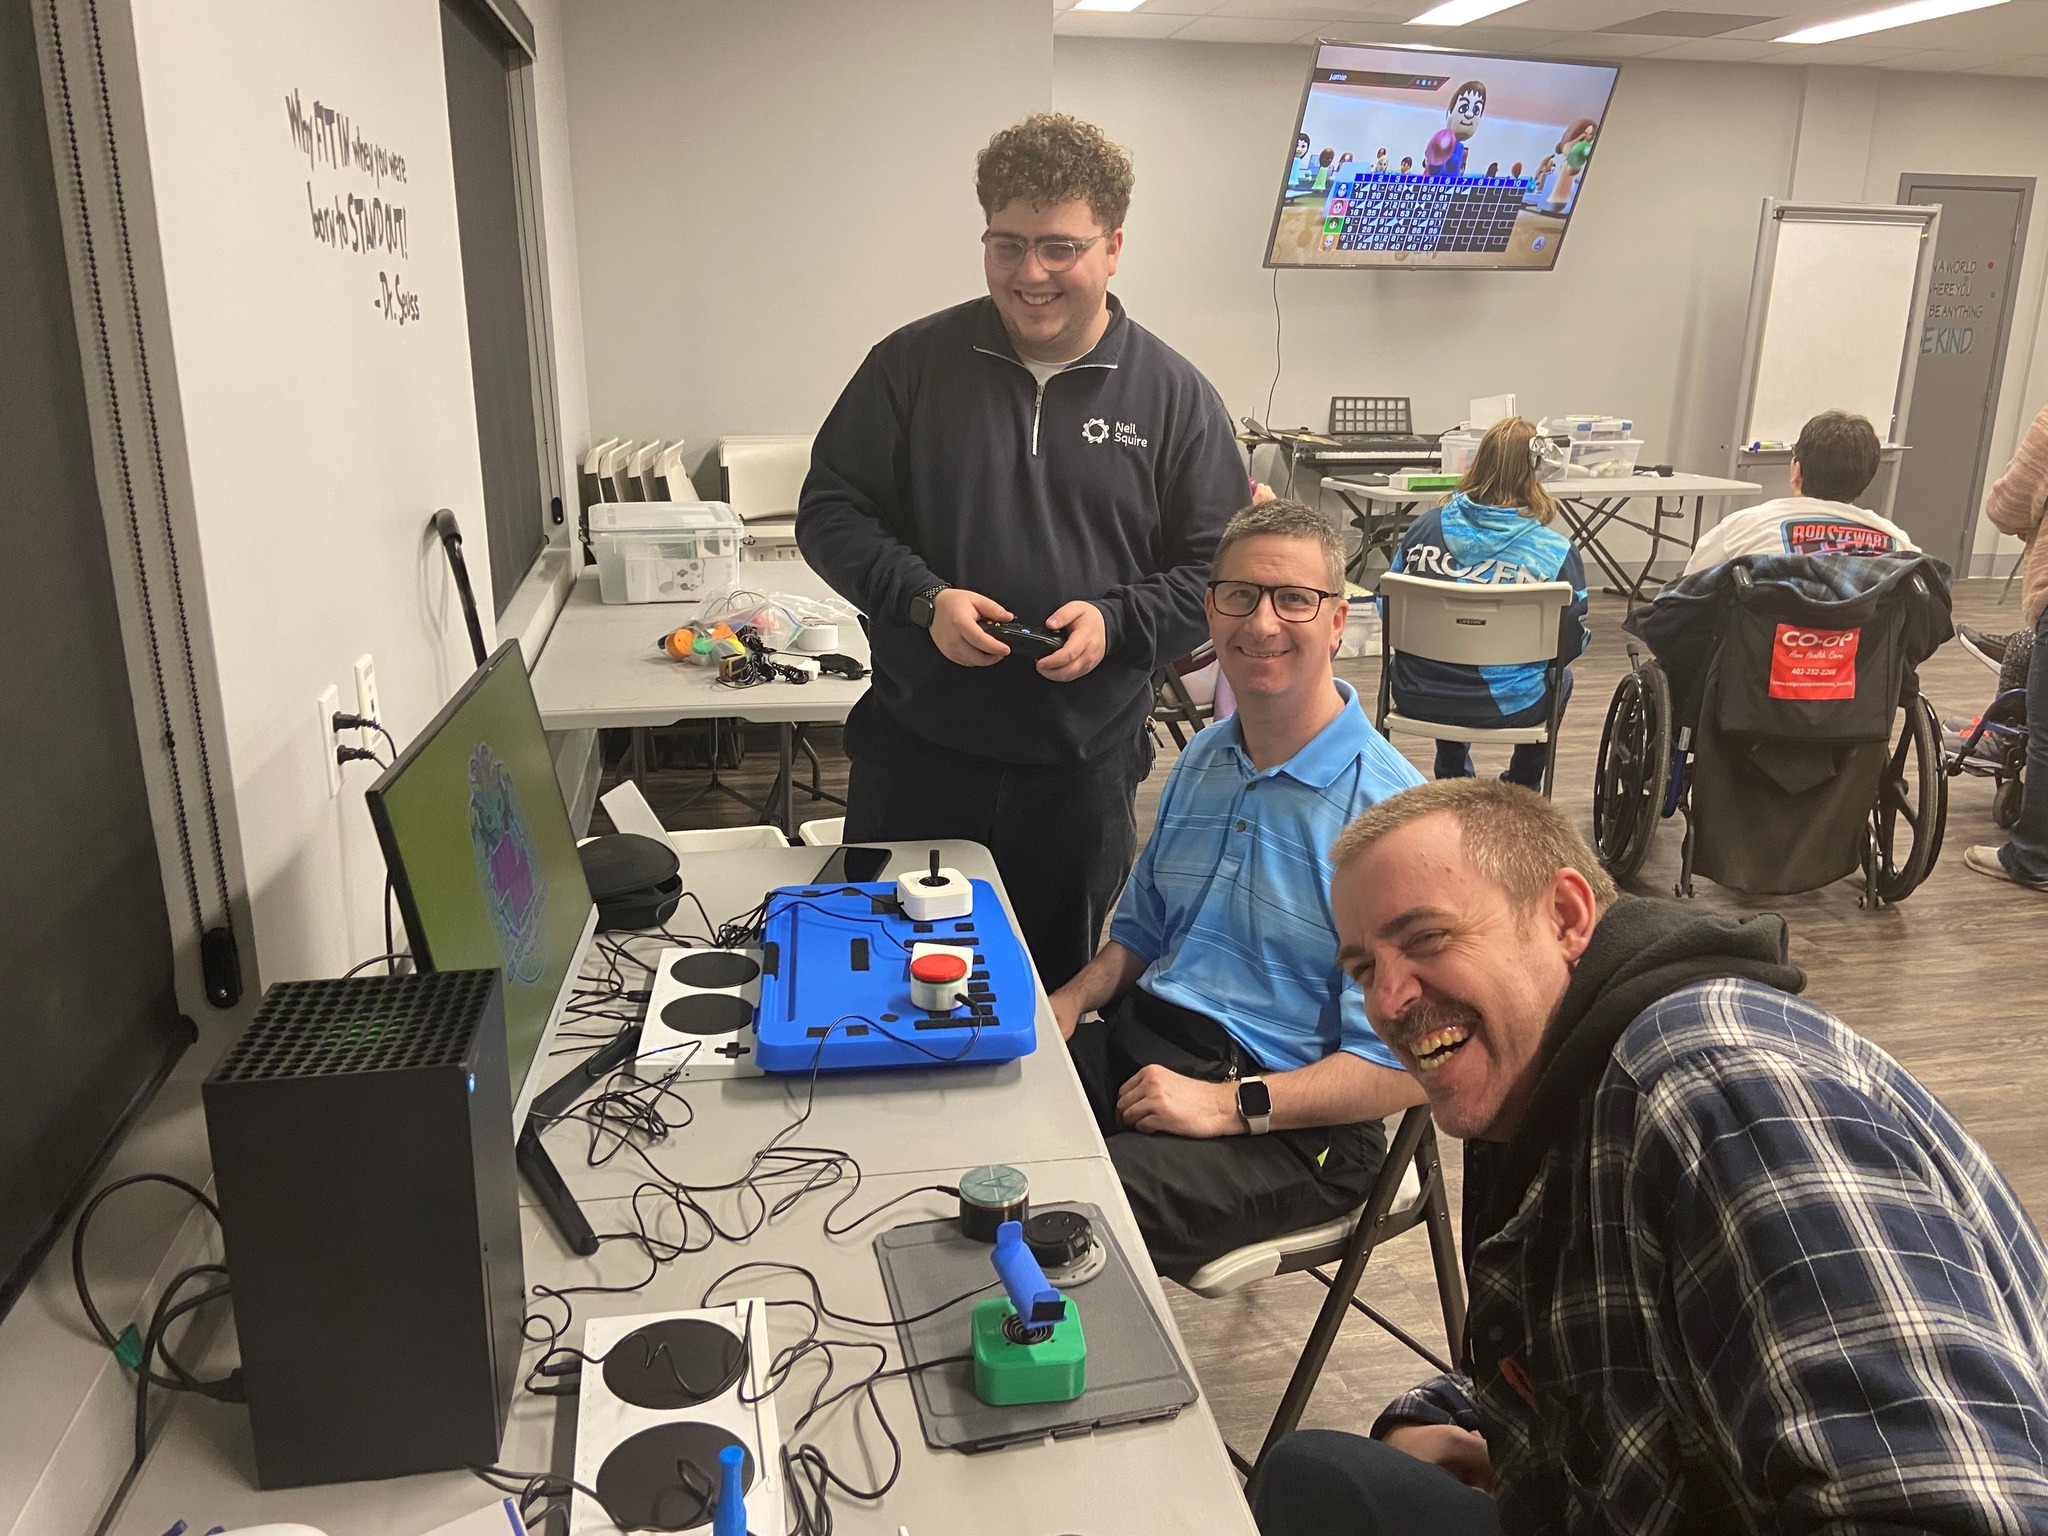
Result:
[
  {"x": 136, "y": 1350},
  {"x": 532, "y": 1488},
  {"x": 343, "y": 721},
  {"x": 806, "y": 1468}
]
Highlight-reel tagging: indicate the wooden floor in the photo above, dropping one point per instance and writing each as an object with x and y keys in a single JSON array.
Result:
[{"x": 1948, "y": 981}]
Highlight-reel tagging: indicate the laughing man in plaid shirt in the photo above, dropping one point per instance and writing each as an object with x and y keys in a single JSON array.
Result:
[{"x": 1732, "y": 1269}]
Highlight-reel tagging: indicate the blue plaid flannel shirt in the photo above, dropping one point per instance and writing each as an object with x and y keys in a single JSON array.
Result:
[{"x": 1774, "y": 1286}]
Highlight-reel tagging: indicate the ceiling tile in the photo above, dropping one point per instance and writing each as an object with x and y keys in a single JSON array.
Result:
[
  {"x": 2007, "y": 39},
  {"x": 1687, "y": 24},
  {"x": 1292, "y": 10},
  {"x": 1721, "y": 50},
  {"x": 1588, "y": 15},
  {"x": 1118, "y": 23},
  {"x": 1943, "y": 59},
  {"x": 1851, "y": 55},
  {"x": 1241, "y": 29},
  {"x": 1483, "y": 38},
  {"x": 1603, "y": 45}
]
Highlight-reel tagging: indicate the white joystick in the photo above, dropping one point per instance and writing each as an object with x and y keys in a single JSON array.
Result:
[{"x": 937, "y": 893}]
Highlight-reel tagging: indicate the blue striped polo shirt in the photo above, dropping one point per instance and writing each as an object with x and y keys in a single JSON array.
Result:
[{"x": 1230, "y": 901}]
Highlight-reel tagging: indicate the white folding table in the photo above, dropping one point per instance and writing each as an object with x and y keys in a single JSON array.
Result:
[
  {"x": 1589, "y": 505},
  {"x": 913, "y": 1128},
  {"x": 602, "y": 667}
]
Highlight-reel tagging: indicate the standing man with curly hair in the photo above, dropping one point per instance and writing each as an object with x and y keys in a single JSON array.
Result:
[{"x": 1033, "y": 455}]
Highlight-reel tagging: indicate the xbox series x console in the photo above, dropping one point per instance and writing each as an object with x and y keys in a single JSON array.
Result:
[{"x": 362, "y": 1155}]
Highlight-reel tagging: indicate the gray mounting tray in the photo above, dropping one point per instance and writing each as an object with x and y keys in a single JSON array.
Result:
[{"x": 1135, "y": 1374}]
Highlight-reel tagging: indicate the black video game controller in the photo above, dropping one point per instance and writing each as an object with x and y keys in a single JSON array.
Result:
[{"x": 1023, "y": 637}]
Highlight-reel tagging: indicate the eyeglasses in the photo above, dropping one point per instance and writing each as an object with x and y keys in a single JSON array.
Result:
[
  {"x": 1241, "y": 599},
  {"x": 1055, "y": 254}
]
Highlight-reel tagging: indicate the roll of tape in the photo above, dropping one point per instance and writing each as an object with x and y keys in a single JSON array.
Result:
[
  {"x": 989, "y": 1196},
  {"x": 818, "y": 637}
]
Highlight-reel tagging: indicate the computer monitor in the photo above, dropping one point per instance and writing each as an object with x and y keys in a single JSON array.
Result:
[
  {"x": 1411, "y": 159},
  {"x": 482, "y": 859}
]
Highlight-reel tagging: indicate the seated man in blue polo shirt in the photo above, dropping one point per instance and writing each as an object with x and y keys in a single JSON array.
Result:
[{"x": 1232, "y": 1071}]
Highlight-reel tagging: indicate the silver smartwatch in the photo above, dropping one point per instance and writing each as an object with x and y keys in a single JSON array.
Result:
[{"x": 1255, "y": 1103}]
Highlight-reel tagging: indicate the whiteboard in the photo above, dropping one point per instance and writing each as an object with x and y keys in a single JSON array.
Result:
[{"x": 1841, "y": 302}]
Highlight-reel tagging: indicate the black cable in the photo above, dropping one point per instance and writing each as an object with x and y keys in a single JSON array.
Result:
[
  {"x": 168, "y": 1310},
  {"x": 818, "y": 1298},
  {"x": 226, "y": 1389},
  {"x": 529, "y": 1486},
  {"x": 364, "y": 965},
  {"x": 1274, "y": 388},
  {"x": 807, "y": 1473},
  {"x": 922, "y": 1189},
  {"x": 632, "y": 1114},
  {"x": 78, "y": 1236}
]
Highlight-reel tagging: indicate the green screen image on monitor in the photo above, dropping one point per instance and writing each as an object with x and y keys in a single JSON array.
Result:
[{"x": 482, "y": 858}]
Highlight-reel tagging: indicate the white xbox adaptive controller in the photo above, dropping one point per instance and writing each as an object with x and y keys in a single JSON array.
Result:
[{"x": 935, "y": 894}]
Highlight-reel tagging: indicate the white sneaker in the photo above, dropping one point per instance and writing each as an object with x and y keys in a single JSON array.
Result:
[
  {"x": 1984, "y": 859},
  {"x": 1987, "y": 648}
]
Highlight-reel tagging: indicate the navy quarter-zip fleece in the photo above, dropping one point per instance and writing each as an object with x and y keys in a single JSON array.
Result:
[{"x": 946, "y": 461}]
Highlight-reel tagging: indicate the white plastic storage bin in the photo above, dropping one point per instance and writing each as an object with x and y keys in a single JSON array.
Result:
[
  {"x": 1588, "y": 427},
  {"x": 1455, "y": 451},
  {"x": 1361, "y": 626},
  {"x": 1602, "y": 457},
  {"x": 665, "y": 551}
]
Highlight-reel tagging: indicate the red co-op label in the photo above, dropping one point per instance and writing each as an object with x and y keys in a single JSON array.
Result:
[{"x": 1814, "y": 663}]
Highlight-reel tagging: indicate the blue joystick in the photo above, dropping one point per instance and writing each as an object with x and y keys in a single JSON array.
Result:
[
  {"x": 1038, "y": 1303},
  {"x": 729, "y": 1515}
]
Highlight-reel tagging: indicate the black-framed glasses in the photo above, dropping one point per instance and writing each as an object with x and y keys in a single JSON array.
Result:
[
  {"x": 1241, "y": 599},
  {"x": 1056, "y": 253}
]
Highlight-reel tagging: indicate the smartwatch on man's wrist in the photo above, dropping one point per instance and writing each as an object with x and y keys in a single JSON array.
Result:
[
  {"x": 920, "y": 607},
  {"x": 1255, "y": 1103}
]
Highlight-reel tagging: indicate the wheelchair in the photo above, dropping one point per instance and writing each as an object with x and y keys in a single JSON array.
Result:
[
  {"x": 1796, "y": 796},
  {"x": 1994, "y": 745}
]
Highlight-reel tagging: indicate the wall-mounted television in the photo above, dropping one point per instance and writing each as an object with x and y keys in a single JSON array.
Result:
[{"x": 1428, "y": 159}]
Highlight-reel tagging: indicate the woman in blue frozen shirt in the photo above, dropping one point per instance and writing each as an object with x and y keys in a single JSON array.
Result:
[{"x": 1494, "y": 531}]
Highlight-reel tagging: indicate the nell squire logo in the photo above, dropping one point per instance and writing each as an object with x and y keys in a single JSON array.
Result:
[{"x": 1096, "y": 430}]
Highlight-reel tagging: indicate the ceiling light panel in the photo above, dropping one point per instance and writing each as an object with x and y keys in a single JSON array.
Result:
[
  {"x": 1882, "y": 21},
  {"x": 1455, "y": 13}
]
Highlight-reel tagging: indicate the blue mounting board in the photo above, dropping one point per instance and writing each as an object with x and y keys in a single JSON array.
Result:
[{"x": 835, "y": 983}]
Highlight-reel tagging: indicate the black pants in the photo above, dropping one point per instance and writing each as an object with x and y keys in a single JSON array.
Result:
[
  {"x": 1196, "y": 1199},
  {"x": 1063, "y": 837},
  {"x": 1525, "y": 764},
  {"x": 1320, "y": 1482}
]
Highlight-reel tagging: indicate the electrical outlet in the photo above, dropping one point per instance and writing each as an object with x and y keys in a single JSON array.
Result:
[
  {"x": 330, "y": 739},
  {"x": 366, "y": 698}
]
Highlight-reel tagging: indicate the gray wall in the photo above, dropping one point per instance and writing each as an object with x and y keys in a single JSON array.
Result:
[
  {"x": 307, "y": 441},
  {"x": 1643, "y": 314},
  {"x": 1645, "y": 311},
  {"x": 764, "y": 190}
]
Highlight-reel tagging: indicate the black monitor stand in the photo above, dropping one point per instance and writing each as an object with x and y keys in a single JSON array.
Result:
[{"x": 549, "y": 1105}]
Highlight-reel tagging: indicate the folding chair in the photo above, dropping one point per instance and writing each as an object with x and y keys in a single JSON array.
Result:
[
  {"x": 1476, "y": 626},
  {"x": 1409, "y": 1192},
  {"x": 1172, "y": 705}
]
